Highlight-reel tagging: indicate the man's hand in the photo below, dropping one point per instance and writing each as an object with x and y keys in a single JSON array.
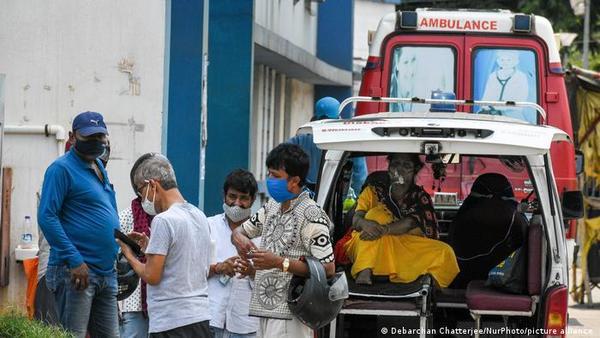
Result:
[
  {"x": 373, "y": 232},
  {"x": 242, "y": 243},
  {"x": 141, "y": 239},
  {"x": 263, "y": 260},
  {"x": 126, "y": 250},
  {"x": 79, "y": 277},
  {"x": 244, "y": 268},
  {"x": 227, "y": 267}
]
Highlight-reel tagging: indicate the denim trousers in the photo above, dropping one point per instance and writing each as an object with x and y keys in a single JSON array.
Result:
[
  {"x": 92, "y": 310},
  {"x": 134, "y": 325}
]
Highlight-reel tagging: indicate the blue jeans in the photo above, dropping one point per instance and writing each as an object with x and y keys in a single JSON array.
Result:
[
  {"x": 134, "y": 325},
  {"x": 223, "y": 333},
  {"x": 92, "y": 310}
]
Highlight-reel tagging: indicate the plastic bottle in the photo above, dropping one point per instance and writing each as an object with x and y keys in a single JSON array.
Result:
[
  {"x": 350, "y": 200},
  {"x": 26, "y": 241}
]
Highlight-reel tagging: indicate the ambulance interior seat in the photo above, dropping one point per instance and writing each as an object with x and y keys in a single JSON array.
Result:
[
  {"x": 485, "y": 300},
  {"x": 487, "y": 228}
]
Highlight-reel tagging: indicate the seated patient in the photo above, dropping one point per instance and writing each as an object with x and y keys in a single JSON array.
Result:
[
  {"x": 395, "y": 229},
  {"x": 487, "y": 228}
]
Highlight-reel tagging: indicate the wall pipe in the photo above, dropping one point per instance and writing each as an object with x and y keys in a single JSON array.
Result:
[{"x": 48, "y": 129}]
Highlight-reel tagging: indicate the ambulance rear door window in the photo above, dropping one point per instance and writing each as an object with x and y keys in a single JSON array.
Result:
[
  {"x": 417, "y": 71},
  {"x": 502, "y": 74}
]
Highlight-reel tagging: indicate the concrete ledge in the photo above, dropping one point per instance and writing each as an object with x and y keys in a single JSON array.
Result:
[{"x": 280, "y": 54}]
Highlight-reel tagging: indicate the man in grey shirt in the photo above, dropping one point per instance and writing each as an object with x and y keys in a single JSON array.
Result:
[{"x": 177, "y": 255}]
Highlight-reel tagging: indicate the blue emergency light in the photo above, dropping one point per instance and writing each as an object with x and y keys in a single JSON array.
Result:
[
  {"x": 522, "y": 23},
  {"x": 442, "y": 107},
  {"x": 407, "y": 20}
]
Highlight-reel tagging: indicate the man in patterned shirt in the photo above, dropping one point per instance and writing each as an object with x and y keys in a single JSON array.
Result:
[{"x": 292, "y": 227}]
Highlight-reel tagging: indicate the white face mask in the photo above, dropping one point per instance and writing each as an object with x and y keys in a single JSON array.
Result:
[
  {"x": 396, "y": 177},
  {"x": 147, "y": 205},
  {"x": 236, "y": 213}
]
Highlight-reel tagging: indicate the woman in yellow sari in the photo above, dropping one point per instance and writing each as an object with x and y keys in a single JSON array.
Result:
[{"x": 396, "y": 231}]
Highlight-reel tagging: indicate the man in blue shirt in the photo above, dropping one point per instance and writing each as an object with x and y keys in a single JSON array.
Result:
[
  {"x": 78, "y": 215},
  {"x": 327, "y": 108}
]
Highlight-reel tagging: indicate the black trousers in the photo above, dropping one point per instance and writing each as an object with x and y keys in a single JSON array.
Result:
[{"x": 196, "y": 330}]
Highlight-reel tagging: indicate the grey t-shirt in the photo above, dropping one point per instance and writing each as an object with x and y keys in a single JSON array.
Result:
[{"x": 181, "y": 298}]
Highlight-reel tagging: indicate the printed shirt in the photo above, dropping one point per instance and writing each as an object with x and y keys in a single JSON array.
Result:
[
  {"x": 133, "y": 303},
  {"x": 302, "y": 230}
]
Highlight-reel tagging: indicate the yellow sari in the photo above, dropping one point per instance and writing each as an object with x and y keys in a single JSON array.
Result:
[{"x": 401, "y": 257}]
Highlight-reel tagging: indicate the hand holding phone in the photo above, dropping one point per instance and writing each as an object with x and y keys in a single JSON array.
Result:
[{"x": 130, "y": 242}]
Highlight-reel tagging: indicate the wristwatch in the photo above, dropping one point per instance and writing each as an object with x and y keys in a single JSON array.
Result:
[{"x": 285, "y": 265}]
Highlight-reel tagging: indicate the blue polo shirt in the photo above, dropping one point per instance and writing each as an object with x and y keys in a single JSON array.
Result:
[{"x": 78, "y": 215}]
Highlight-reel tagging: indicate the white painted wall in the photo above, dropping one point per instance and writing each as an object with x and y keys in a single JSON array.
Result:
[
  {"x": 303, "y": 95},
  {"x": 367, "y": 15},
  {"x": 293, "y": 22},
  {"x": 61, "y": 58}
]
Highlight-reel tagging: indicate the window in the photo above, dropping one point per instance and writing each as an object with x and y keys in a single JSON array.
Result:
[
  {"x": 418, "y": 71},
  {"x": 502, "y": 74}
]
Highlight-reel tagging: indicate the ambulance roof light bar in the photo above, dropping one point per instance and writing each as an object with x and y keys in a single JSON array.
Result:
[
  {"x": 407, "y": 20},
  {"x": 417, "y": 100}
]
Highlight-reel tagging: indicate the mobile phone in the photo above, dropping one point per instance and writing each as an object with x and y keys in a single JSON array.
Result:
[{"x": 132, "y": 244}]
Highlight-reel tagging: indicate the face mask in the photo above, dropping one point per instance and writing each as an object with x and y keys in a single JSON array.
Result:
[
  {"x": 105, "y": 157},
  {"x": 396, "y": 177},
  {"x": 147, "y": 205},
  {"x": 91, "y": 148},
  {"x": 277, "y": 188},
  {"x": 236, "y": 213}
]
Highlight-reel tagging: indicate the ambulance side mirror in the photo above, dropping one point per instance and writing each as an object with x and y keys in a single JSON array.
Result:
[
  {"x": 579, "y": 162},
  {"x": 572, "y": 205}
]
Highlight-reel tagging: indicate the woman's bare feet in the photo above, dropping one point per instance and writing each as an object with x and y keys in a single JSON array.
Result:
[{"x": 364, "y": 277}]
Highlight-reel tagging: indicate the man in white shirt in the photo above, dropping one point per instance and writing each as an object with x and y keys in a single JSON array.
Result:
[{"x": 229, "y": 295}]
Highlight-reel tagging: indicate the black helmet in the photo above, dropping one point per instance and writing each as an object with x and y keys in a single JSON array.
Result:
[
  {"x": 126, "y": 277},
  {"x": 316, "y": 301}
]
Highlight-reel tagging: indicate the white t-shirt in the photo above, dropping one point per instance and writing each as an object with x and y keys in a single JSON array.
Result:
[
  {"x": 229, "y": 303},
  {"x": 181, "y": 298}
]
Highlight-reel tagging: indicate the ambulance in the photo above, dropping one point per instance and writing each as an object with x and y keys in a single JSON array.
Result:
[
  {"x": 532, "y": 299},
  {"x": 476, "y": 55}
]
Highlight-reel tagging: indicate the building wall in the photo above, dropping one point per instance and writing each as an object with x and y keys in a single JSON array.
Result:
[
  {"x": 229, "y": 96},
  {"x": 280, "y": 105},
  {"x": 63, "y": 57},
  {"x": 183, "y": 90},
  {"x": 296, "y": 23},
  {"x": 367, "y": 15}
]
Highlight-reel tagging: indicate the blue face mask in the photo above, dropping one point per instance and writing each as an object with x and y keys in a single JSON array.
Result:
[{"x": 277, "y": 188}]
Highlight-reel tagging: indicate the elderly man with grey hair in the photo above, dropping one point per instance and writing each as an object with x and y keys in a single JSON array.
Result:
[{"x": 177, "y": 254}]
